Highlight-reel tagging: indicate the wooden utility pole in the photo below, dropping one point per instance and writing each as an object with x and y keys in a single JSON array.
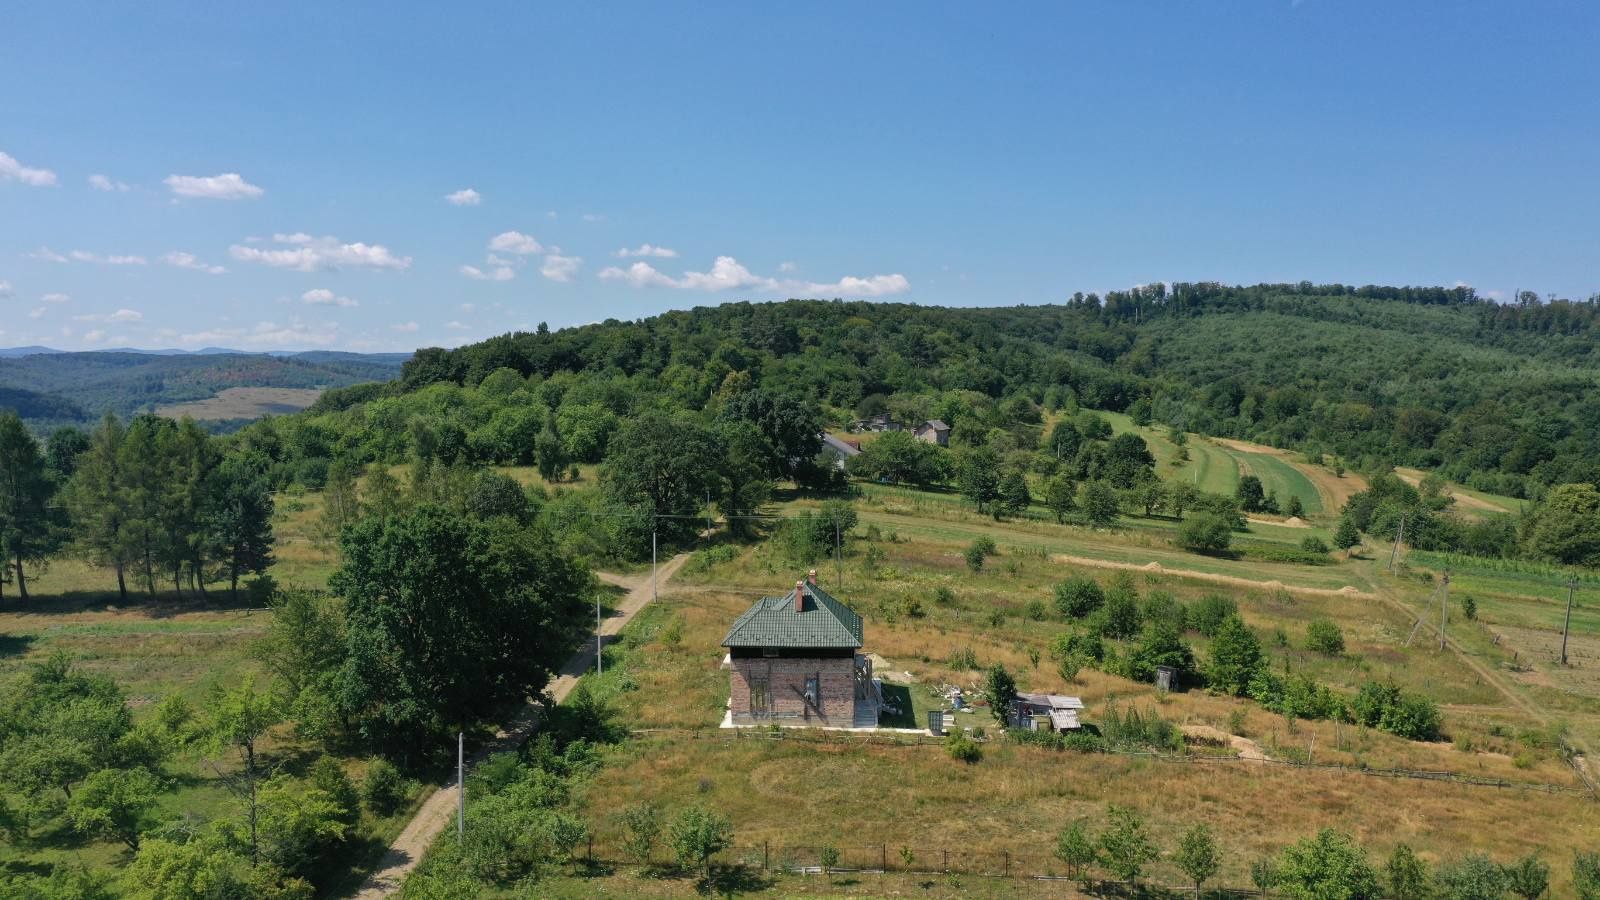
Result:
[
  {"x": 461, "y": 786},
  {"x": 1399, "y": 536},
  {"x": 653, "y": 597},
  {"x": 1444, "y": 607},
  {"x": 1567, "y": 625}
]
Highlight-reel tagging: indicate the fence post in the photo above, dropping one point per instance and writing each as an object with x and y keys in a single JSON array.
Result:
[
  {"x": 947, "y": 860},
  {"x": 763, "y": 856},
  {"x": 591, "y": 849},
  {"x": 1008, "y": 863},
  {"x": 883, "y": 857}
]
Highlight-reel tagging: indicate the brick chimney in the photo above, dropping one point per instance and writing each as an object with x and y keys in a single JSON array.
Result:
[
  {"x": 799, "y": 596},
  {"x": 812, "y": 577}
]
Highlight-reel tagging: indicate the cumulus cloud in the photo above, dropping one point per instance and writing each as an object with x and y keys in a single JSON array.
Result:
[
  {"x": 464, "y": 197},
  {"x": 184, "y": 260},
  {"x": 647, "y": 250},
  {"x": 105, "y": 183},
  {"x": 594, "y": 217},
  {"x": 55, "y": 298},
  {"x": 94, "y": 335},
  {"x": 6, "y": 290},
  {"x": 87, "y": 257},
  {"x": 325, "y": 297},
  {"x": 227, "y": 186},
  {"x": 36, "y": 312},
  {"x": 11, "y": 170},
  {"x": 727, "y": 273},
  {"x": 560, "y": 268},
  {"x": 48, "y": 255},
  {"x": 457, "y": 325},
  {"x": 787, "y": 267},
  {"x": 305, "y": 253},
  {"x": 271, "y": 334},
  {"x": 405, "y": 326},
  {"x": 515, "y": 242},
  {"x": 502, "y": 273}
]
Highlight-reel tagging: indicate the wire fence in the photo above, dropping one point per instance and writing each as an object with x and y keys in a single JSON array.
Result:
[
  {"x": 848, "y": 860},
  {"x": 910, "y": 739}
]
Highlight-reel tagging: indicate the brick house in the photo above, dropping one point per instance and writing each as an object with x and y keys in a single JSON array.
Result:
[
  {"x": 933, "y": 431},
  {"x": 795, "y": 660}
]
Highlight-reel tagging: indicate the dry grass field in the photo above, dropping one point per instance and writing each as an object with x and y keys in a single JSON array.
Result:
[{"x": 243, "y": 403}]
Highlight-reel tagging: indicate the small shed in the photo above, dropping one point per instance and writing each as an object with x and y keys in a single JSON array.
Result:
[
  {"x": 934, "y": 431},
  {"x": 1051, "y": 712},
  {"x": 1166, "y": 677}
]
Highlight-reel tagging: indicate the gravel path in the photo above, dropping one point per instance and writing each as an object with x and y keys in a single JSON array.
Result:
[{"x": 438, "y": 812}]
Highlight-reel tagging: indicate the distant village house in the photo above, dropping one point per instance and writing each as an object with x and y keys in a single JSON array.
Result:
[{"x": 934, "y": 432}]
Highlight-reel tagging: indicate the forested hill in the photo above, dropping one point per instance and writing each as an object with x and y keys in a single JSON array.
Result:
[
  {"x": 52, "y": 388},
  {"x": 1503, "y": 397}
]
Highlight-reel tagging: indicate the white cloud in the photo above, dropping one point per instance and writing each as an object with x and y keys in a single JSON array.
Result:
[
  {"x": 55, "y": 298},
  {"x": 6, "y": 290},
  {"x": 464, "y": 197},
  {"x": 11, "y": 170},
  {"x": 104, "y": 183},
  {"x": 640, "y": 274},
  {"x": 305, "y": 253},
  {"x": 503, "y": 273},
  {"x": 647, "y": 250},
  {"x": 728, "y": 274},
  {"x": 560, "y": 268},
  {"x": 405, "y": 326},
  {"x": 270, "y": 334},
  {"x": 121, "y": 315},
  {"x": 787, "y": 267},
  {"x": 593, "y": 217},
  {"x": 325, "y": 297},
  {"x": 36, "y": 312},
  {"x": 515, "y": 242},
  {"x": 851, "y": 286},
  {"x": 48, "y": 255},
  {"x": 87, "y": 257},
  {"x": 188, "y": 261},
  {"x": 468, "y": 307},
  {"x": 94, "y": 336},
  {"x": 228, "y": 186},
  {"x": 458, "y": 326}
]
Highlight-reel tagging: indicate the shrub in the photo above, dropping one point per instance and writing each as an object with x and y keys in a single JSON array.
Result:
[
  {"x": 1078, "y": 597},
  {"x": 641, "y": 829},
  {"x": 1314, "y": 544},
  {"x": 697, "y": 836},
  {"x": 1036, "y": 610},
  {"x": 1469, "y": 608},
  {"x": 1205, "y": 533},
  {"x": 963, "y": 748},
  {"x": 1472, "y": 877},
  {"x": 1119, "y": 618},
  {"x": 974, "y": 556},
  {"x": 383, "y": 790},
  {"x": 1135, "y": 730},
  {"x": 1161, "y": 606},
  {"x": 1323, "y": 636},
  {"x": 1207, "y": 614},
  {"x": 963, "y": 659},
  {"x": 1330, "y": 864},
  {"x": 1407, "y": 875}
]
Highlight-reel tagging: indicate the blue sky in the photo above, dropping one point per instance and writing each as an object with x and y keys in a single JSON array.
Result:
[{"x": 277, "y": 177}]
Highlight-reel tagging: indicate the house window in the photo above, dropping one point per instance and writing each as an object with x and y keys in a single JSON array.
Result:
[
  {"x": 760, "y": 700},
  {"x": 769, "y": 652},
  {"x": 814, "y": 691}
]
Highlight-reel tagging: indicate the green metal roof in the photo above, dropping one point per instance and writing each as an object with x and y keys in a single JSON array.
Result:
[{"x": 773, "y": 622}]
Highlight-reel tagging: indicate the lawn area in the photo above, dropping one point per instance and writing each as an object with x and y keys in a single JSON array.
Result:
[{"x": 1280, "y": 479}]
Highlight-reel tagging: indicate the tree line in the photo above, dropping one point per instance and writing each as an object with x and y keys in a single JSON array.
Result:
[{"x": 156, "y": 501}]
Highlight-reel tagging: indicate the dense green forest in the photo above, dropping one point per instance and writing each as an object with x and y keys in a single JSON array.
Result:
[
  {"x": 1499, "y": 397},
  {"x": 48, "y": 389}
]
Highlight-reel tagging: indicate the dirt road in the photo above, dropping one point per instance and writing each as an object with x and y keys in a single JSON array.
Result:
[{"x": 439, "y": 810}]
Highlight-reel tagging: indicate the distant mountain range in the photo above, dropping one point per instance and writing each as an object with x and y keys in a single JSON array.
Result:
[{"x": 49, "y": 387}]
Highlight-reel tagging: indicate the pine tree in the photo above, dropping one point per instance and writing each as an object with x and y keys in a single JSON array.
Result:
[
  {"x": 27, "y": 530},
  {"x": 94, "y": 499}
]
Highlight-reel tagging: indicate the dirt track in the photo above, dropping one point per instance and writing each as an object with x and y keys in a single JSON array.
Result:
[
  {"x": 1232, "y": 580},
  {"x": 1335, "y": 491},
  {"x": 439, "y": 810}
]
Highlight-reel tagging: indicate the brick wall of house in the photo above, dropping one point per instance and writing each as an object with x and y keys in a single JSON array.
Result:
[{"x": 787, "y": 683}]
